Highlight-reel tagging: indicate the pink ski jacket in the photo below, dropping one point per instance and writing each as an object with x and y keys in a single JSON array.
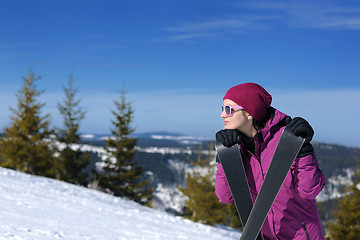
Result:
[{"x": 294, "y": 213}]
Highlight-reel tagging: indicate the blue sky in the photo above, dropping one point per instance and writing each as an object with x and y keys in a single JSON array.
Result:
[{"x": 178, "y": 58}]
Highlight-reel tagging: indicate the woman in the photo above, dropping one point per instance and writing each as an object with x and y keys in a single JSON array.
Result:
[{"x": 252, "y": 123}]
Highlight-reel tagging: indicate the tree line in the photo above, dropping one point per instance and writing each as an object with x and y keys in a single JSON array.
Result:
[{"x": 30, "y": 145}]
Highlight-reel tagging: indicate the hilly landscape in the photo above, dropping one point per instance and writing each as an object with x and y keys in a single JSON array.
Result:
[{"x": 166, "y": 157}]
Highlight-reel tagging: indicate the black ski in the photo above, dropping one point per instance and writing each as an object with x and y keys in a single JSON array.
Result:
[
  {"x": 286, "y": 151},
  {"x": 231, "y": 160}
]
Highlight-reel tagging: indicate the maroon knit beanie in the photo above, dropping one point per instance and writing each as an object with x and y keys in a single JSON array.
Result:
[{"x": 252, "y": 97}]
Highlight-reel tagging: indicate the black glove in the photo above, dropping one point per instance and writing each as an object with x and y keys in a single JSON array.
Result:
[
  {"x": 301, "y": 128},
  {"x": 229, "y": 137},
  {"x": 306, "y": 149}
]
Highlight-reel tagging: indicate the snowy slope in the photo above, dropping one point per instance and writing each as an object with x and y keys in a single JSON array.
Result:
[{"x": 39, "y": 208}]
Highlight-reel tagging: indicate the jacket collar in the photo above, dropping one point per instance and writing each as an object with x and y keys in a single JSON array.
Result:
[{"x": 264, "y": 135}]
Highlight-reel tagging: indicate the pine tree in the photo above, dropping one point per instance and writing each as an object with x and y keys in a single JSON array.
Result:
[
  {"x": 26, "y": 146},
  {"x": 347, "y": 217},
  {"x": 121, "y": 175},
  {"x": 202, "y": 204},
  {"x": 71, "y": 160}
]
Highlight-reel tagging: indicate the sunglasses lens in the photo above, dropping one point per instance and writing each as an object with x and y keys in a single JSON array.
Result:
[{"x": 227, "y": 110}]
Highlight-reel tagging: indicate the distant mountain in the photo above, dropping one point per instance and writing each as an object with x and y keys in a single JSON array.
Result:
[{"x": 160, "y": 138}]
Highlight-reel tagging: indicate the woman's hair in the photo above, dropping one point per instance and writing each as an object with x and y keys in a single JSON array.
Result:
[{"x": 270, "y": 113}]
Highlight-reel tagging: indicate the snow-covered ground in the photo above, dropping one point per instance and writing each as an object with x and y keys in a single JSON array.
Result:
[{"x": 38, "y": 208}]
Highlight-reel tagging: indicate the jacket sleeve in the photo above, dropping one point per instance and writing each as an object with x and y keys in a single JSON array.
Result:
[
  {"x": 222, "y": 189},
  {"x": 308, "y": 179}
]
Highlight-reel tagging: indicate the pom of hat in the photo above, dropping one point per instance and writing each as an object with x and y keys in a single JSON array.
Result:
[{"x": 252, "y": 97}]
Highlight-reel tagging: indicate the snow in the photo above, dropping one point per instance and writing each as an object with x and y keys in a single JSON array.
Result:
[
  {"x": 88, "y": 136},
  {"x": 181, "y": 139},
  {"x": 33, "y": 207},
  {"x": 168, "y": 197},
  {"x": 335, "y": 185}
]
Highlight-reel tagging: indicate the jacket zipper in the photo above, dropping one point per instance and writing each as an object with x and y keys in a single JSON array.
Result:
[{"x": 306, "y": 232}]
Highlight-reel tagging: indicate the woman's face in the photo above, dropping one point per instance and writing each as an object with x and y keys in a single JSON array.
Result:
[{"x": 239, "y": 119}]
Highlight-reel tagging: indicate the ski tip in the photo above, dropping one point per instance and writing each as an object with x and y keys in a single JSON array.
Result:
[
  {"x": 290, "y": 133},
  {"x": 219, "y": 145}
]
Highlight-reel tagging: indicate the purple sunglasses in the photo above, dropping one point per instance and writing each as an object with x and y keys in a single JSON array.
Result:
[{"x": 228, "y": 109}]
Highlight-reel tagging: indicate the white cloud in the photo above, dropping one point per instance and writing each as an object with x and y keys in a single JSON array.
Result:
[
  {"x": 321, "y": 15},
  {"x": 212, "y": 28},
  {"x": 212, "y": 25},
  {"x": 311, "y": 14}
]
